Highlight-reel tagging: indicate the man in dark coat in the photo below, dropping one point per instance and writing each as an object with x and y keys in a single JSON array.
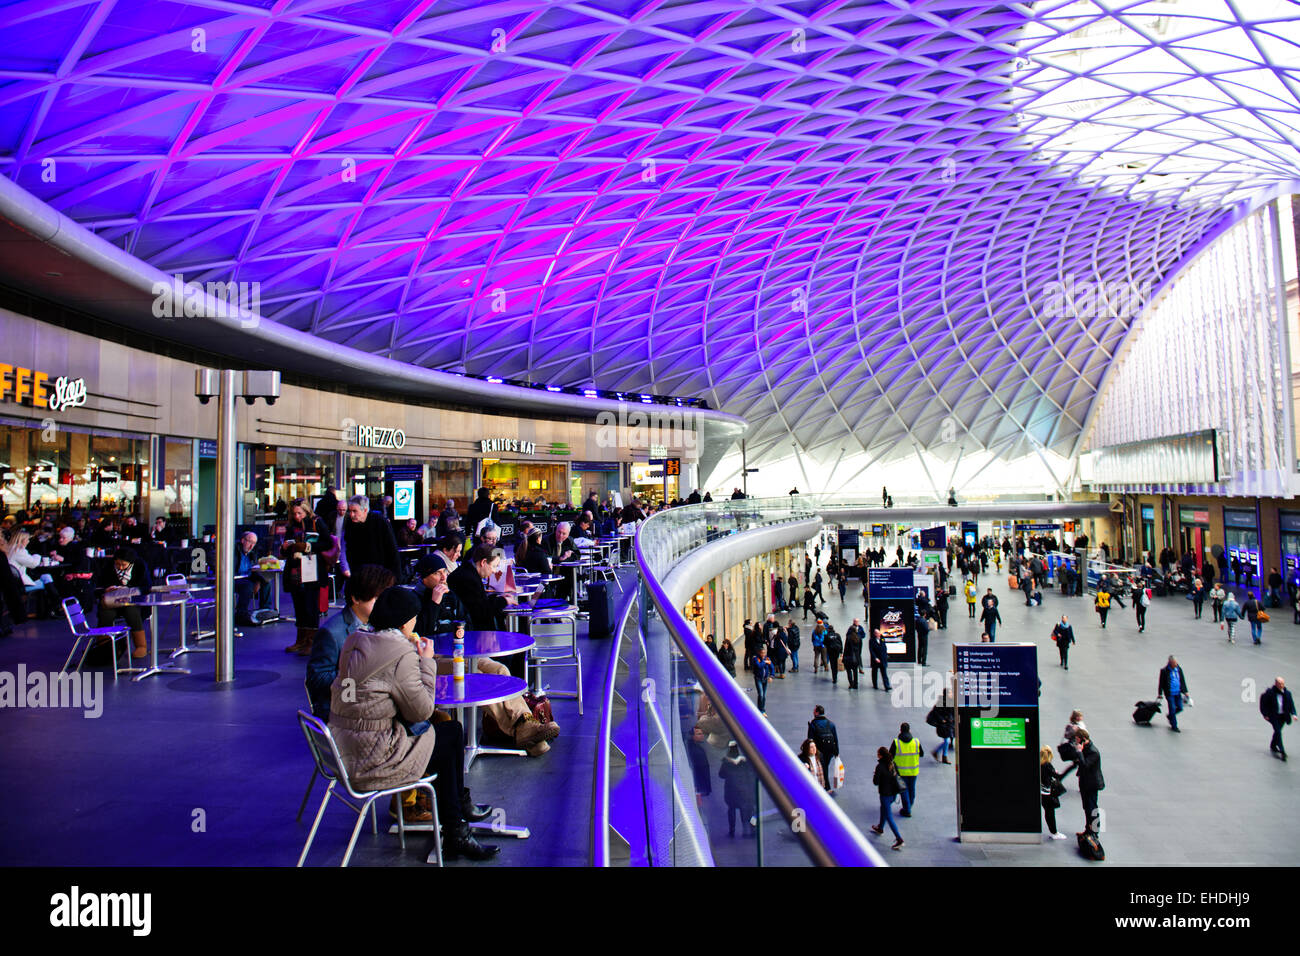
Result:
[
  {"x": 879, "y": 659},
  {"x": 368, "y": 538},
  {"x": 1091, "y": 782},
  {"x": 823, "y": 733},
  {"x": 833, "y": 645},
  {"x": 480, "y": 508},
  {"x": 1277, "y": 707}
]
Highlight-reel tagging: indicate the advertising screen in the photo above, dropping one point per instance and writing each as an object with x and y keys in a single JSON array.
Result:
[{"x": 990, "y": 732}]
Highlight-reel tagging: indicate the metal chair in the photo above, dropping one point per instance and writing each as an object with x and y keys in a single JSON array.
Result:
[
  {"x": 330, "y": 766},
  {"x": 555, "y": 644},
  {"x": 196, "y": 604},
  {"x": 314, "y": 772},
  {"x": 84, "y": 632}
]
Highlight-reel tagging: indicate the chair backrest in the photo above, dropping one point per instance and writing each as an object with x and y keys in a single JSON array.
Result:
[
  {"x": 324, "y": 751},
  {"x": 177, "y": 581},
  {"x": 553, "y": 629},
  {"x": 75, "y": 615}
]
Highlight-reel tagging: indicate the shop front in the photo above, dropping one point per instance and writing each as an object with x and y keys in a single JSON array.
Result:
[
  {"x": 648, "y": 483},
  {"x": 1288, "y": 525},
  {"x": 512, "y": 473},
  {"x": 593, "y": 478},
  {"x": 277, "y": 476},
  {"x": 1194, "y": 534},
  {"x": 439, "y": 479},
  {"x": 1241, "y": 541}
]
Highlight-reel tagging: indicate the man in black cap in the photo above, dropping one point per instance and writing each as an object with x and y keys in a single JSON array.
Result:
[{"x": 440, "y": 612}]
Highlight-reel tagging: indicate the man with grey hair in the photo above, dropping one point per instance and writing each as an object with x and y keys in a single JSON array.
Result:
[
  {"x": 368, "y": 538},
  {"x": 250, "y": 586},
  {"x": 490, "y": 534}
]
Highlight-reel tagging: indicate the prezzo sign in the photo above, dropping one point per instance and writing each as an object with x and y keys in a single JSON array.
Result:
[
  {"x": 29, "y": 387},
  {"x": 370, "y": 436},
  {"x": 508, "y": 444}
]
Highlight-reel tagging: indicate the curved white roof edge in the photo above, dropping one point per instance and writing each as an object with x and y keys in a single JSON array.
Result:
[{"x": 50, "y": 227}]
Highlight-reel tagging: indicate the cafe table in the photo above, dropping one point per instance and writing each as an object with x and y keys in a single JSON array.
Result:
[{"x": 159, "y": 599}]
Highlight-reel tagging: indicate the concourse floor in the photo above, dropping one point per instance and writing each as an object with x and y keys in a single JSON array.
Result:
[
  {"x": 177, "y": 772},
  {"x": 1211, "y": 795}
]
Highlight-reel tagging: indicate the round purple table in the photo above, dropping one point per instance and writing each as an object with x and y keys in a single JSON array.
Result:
[
  {"x": 483, "y": 644},
  {"x": 471, "y": 693}
]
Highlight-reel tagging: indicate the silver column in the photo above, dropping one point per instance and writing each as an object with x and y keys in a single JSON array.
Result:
[{"x": 225, "y": 539}]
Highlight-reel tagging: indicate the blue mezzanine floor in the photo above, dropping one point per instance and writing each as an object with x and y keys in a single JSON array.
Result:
[{"x": 177, "y": 771}]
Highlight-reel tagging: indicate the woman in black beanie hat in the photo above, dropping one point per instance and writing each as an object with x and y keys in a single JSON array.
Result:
[{"x": 387, "y": 678}]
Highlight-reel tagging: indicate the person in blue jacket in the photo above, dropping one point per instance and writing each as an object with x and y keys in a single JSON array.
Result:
[
  {"x": 763, "y": 671},
  {"x": 1173, "y": 687},
  {"x": 363, "y": 587}
]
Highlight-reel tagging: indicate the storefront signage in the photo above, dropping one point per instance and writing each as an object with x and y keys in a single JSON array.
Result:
[
  {"x": 1194, "y": 516},
  {"x": 207, "y": 448},
  {"x": 372, "y": 436},
  {"x": 26, "y": 386},
  {"x": 403, "y": 472},
  {"x": 594, "y": 465},
  {"x": 403, "y": 500},
  {"x": 507, "y": 444},
  {"x": 1238, "y": 519},
  {"x": 1288, "y": 521}
]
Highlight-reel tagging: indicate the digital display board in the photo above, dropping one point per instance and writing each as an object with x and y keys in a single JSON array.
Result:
[{"x": 994, "y": 732}]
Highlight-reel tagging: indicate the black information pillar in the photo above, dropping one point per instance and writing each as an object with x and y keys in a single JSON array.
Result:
[
  {"x": 997, "y": 743},
  {"x": 891, "y": 606}
]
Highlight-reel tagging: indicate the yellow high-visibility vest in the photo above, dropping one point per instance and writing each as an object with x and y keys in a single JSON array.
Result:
[
  {"x": 907, "y": 757},
  {"x": 1103, "y": 599}
]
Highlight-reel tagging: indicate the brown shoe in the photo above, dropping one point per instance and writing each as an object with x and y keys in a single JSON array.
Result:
[
  {"x": 410, "y": 814},
  {"x": 530, "y": 731},
  {"x": 537, "y": 749},
  {"x": 552, "y": 730}
]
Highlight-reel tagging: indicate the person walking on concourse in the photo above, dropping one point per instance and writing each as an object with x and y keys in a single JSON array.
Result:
[
  {"x": 1277, "y": 707},
  {"x": 1172, "y": 686},
  {"x": 1063, "y": 634}
]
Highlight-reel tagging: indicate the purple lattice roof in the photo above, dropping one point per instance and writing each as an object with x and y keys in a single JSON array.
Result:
[{"x": 837, "y": 219}]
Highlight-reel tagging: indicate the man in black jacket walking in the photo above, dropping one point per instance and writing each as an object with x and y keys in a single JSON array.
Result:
[
  {"x": 368, "y": 538},
  {"x": 1277, "y": 707},
  {"x": 833, "y": 645},
  {"x": 823, "y": 733}
]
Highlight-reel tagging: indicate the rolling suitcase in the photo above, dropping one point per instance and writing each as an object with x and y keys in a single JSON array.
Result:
[
  {"x": 600, "y": 621},
  {"x": 1146, "y": 709},
  {"x": 1090, "y": 847}
]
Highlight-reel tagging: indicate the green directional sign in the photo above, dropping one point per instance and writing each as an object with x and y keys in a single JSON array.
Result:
[{"x": 991, "y": 732}]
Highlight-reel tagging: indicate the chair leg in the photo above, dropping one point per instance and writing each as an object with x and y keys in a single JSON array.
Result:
[
  {"x": 356, "y": 830},
  {"x": 311, "y": 783},
  {"x": 579, "y": 673},
  {"x": 316, "y": 823},
  {"x": 401, "y": 825},
  {"x": 75, "y": 645},
  {"x": 437, "y": 830},
  {"x": 374, "y": 820}
]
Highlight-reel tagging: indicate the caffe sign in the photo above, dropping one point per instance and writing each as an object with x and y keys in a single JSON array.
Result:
[{"x": 26, "y": 386}]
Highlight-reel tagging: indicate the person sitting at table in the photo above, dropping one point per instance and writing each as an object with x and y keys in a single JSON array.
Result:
[
  {"x": 251, "y": 587},
  {"x": 489, "y": 535},
  {"x": 440, "y": 612},
  {"x": 69, "y": 562},
  {"x": 21, "y": 562},
  {"x": 159, "y": 534},
  {"x": 384, "y": 691},
  {"x": 449, "y": 546},
  {"x": 407, "y": 535},
  {"x": 125, "y": 571},
  {"x": 446, "y": 517},
  {"x": 485, "y": 610},
  {"x": 530, "y": 555},
  {"x": 359, "y": 593},
  {"x": 560, "y": 545}
]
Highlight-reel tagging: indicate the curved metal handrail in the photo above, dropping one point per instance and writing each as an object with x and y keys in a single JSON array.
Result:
[
  {"x": 600, "y": 773},
  {"x": 827, "y": 834}
]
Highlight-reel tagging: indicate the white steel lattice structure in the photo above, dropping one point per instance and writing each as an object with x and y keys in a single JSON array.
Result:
[
  {"x": 840, "y": 220},
  {"x": 1212, "y": 354}
]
